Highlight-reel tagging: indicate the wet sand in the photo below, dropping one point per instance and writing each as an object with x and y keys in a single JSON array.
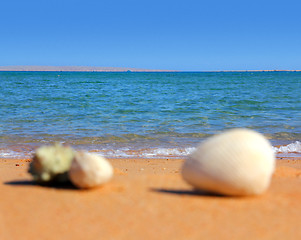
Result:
[{"x": 147, "y": 199}]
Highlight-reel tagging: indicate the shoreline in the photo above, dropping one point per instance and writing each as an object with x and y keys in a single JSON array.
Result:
[
  {"x": 148, "y": 199},
  {"x": 21, "y": 151}
]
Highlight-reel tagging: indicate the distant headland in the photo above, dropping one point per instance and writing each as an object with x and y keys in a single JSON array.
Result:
[
  {"x": 112, "y": 69},
  {"x": 76, "y": 69}
]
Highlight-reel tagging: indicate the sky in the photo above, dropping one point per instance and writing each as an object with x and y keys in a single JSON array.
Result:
[{"x": 173, "y": 35}]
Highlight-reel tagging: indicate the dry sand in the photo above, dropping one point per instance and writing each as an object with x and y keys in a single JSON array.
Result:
[{"x": 147, "y": 199}]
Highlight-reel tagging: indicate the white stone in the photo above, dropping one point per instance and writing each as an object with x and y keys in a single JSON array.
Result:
[
  {"x": 238, "y": 162},
  {"x": 89, "y": 170}
]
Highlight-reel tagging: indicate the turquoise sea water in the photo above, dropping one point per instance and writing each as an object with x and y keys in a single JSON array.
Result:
[{"x": 145, "y": 114}]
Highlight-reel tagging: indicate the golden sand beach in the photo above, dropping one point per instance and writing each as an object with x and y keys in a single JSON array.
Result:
[{"x": 147, "y": 199}]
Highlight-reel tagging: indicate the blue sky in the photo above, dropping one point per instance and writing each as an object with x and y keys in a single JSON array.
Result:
[{"x": 180, "y": 35}]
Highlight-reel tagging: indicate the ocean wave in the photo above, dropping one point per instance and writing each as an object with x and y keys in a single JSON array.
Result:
[
  {"x": 290, "y": 148},
  {"x": 148, "y": 153},
  {"x": 7, "y": 153},
  {"x": 165, "y": 152},
  {"x": 183, "y": 152}
]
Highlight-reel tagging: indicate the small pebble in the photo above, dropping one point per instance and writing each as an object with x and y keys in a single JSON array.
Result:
[{"x": 89, "y": 170}]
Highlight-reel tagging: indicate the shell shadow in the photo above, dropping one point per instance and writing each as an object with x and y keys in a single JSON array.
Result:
[
  {"x": 192, "y": 192},
  {"x": 67, "y": 185}
]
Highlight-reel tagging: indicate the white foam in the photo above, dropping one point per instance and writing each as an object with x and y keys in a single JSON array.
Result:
[
  {"x": 168, "y": 152},
  {"x": 148, "y": 153},
  {"x": 118, "y": 153},
  {"x": 151, "y": 152},
  {"x": 6, "y": 153},
  {"x": 290, "y": 148}
]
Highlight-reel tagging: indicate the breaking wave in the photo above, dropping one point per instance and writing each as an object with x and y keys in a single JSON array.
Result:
[{"x": 290, "y": 148}]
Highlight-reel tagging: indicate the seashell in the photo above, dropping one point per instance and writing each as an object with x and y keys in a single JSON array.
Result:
[
  {"x": 51, "y": 163},
  {"x": 238, "y": 162},
  {"x": 89, "y": 170}
]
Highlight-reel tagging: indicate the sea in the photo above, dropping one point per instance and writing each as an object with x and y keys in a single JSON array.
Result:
[{"x": 146, "y": 114}]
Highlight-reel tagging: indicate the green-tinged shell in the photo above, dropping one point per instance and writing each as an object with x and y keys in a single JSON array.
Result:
[{"x": 51, "y": 163}]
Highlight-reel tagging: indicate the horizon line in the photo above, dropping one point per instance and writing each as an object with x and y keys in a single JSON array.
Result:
[{"x": 44, "y": 68}]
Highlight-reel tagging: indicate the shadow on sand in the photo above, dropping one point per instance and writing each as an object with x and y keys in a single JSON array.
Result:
[
  {"x": 192, "y": 192},
  {"x": 67, "y": 185}
]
